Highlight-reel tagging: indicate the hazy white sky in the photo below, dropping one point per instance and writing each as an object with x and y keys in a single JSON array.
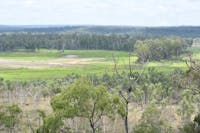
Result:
[{"x": 100, "y": 12}]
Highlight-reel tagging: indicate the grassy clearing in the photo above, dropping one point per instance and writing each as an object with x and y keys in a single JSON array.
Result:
[
  {"x": 42, "y": 54},
  {"x": 57, "y": 72},
  {"x": 52, "y": 54},
  {"x": 34, "y": 74},
  {"x": 167, "y": 65},
  {"x": 97, "y": 67}
]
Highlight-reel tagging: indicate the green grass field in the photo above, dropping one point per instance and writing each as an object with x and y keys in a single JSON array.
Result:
[
  {"x": 52, "y": 54},
  {"x": 98, "y": 66}
]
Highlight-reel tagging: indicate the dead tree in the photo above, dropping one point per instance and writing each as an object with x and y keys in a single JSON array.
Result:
[{"x": 125, "y": 93}]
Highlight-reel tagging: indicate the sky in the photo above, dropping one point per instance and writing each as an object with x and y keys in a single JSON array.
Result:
[{"x": 100, "y": 12}]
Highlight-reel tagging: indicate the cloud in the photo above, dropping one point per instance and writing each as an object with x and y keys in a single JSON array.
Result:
[
  {"x": 29, "y": 2},
  {"x": 101, "y": 12}
]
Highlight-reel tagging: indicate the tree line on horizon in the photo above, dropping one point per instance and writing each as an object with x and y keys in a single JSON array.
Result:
[
  {"x": 75, "y": 41},
  {"x": 146, "y": 48},
  {"x": 181, "y": 31}
]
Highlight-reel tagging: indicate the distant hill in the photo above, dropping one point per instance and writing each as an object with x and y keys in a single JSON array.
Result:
[
  {"x": 36, "y": 28},
  {"x": 182, "y": 31}
]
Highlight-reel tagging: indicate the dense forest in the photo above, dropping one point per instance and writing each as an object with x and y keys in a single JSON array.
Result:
[
  {"x": 182, "y": 31},
  {"x": 34, "y": 41},
  {"x": 146, "y": 48}
]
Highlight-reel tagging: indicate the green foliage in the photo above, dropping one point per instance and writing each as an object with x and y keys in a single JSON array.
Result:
[
  {"x": 160, "y": 48},
  {"x": 82, "y": 99},
  {"x": 51, "y": 124},
  {"x": 152, "y": 85},
  {"x": 197, "y": 119},
  {"x": 188, "y": 128},
  {"x": 143, "y": 51},
  {"x": 35, "y": 41},
  {"x": 192, "y": 127},
  {"x": 186, "y": 106},
  {"x": 9, "y": 115},
  {"x": 137, "y": 95},
  {"x": 151, "y": 121}
]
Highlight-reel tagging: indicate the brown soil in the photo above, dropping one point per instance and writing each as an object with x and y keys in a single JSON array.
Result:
[{"x": 67, "y": 61}]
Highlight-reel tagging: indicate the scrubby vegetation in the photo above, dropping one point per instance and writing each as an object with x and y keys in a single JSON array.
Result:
[
  {"x": 145, "y": 101},
  {"x": 120, "y": 83}
]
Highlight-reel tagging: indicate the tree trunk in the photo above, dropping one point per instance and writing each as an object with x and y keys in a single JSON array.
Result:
[
  {"x": 145, "y": 95},
  {"x": 63, "y": 48},
  {"x": 126, "y": 124},
  {"x": 126, "y": 119},
  {"x": 93, "y": 130},
  {"x": 92, "y": 126},
  {"x": 104, "y": 125}
]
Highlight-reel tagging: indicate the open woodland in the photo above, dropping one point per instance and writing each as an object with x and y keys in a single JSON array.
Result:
[{"x": 99, "y": 80}]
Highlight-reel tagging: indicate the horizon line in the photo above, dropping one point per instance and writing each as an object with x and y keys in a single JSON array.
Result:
[{"x": 93, "y": 25}]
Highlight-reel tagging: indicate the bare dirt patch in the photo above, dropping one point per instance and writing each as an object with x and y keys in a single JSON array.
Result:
[{"x": 66, "y": 61}]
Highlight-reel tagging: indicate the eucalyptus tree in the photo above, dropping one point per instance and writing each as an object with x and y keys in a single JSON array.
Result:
[
  {"x": 159, "y": 48},
  {"x": 84, "y": 100}
]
